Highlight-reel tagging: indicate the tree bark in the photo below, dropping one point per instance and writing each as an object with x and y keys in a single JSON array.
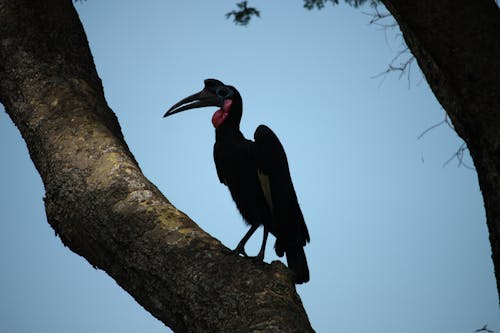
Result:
[
  {"x": 457, "y": 46},
  {"x": 100, "y": 204}
]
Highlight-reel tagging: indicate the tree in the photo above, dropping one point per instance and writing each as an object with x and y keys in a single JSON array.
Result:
[
  {"x": 55, "y": 83},
  {"x": 100, "y": 204}
]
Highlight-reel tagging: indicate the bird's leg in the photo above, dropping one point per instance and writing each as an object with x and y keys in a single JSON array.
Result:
[
  {"x": 240, "y": 249},
  {"x": 260, "y": 256}
]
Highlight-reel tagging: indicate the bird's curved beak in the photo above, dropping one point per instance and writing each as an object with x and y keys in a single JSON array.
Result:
[{"x": 198, "y": 100}]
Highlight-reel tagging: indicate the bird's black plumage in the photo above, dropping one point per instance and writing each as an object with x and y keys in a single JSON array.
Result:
[{"x": 257, "y": 175}]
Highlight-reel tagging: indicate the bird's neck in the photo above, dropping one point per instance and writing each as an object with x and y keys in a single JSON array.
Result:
[
  {"x": 228, "y": 133},
  {"x": 230, "y": 126}
]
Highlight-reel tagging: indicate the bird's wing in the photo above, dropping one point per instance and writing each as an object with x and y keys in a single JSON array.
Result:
[
  {"x": 276, "y": 183},
  {"x": 217, "y": 167}
]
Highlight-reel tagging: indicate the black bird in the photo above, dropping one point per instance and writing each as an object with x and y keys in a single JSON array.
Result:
[{"x": 257, "y": 175}]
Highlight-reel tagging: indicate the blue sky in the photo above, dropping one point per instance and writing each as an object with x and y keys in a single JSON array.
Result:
[{"x": 398, "y": 242}]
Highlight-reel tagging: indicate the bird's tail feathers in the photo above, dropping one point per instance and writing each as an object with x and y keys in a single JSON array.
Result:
[
  {"x": 297, "y": 262},
  {"x": 278, "y": 247}
]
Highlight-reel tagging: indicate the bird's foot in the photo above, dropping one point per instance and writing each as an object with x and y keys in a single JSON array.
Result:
[
  {"x": 258, "y": 258},
  {"x": 239, "y": 250}
]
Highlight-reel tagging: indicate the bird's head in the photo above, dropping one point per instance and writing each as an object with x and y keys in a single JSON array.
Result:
[{"x": 215, "y": 93}]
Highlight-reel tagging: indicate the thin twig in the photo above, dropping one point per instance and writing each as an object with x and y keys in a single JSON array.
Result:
[
  {"x": 459, "y": 155},
  {"x": 377, "y": 17},
  {"x": 446, "y": 120},
  {"x": 484, "y": 329}
]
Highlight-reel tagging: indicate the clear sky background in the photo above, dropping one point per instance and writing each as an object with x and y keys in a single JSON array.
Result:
[{"x": 398, "y": 242}]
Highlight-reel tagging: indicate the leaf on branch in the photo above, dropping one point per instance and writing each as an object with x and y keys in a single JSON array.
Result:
[
  {"x": 243, "y": 14},
  {"x": 319, "y": 4}
]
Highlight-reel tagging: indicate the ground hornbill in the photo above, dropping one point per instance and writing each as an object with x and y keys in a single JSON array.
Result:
[{"x": 257, "y": 175}]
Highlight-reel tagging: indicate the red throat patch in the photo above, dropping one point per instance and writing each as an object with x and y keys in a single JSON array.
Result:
[{"x": 221, "y": 114}]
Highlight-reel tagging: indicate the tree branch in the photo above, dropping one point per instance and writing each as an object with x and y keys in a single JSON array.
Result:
[
  {"x": 459, "y": 155},
  {"x": 403, "y": 67},
  {"x": 243, "y": 14},
  {"x": 446, "y": 121},
  {"x": 101, "y": 205},
  {"x": 484, "y": 329},
  {"x": 378, "y": 18},
  {"x": 403, "y": 59}
]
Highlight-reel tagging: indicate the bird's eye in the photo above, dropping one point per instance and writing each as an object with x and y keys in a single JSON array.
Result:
[{"x": 223, "y": 92}]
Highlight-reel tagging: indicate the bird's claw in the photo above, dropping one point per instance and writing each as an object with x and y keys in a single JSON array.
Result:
[
  {"x": 258, "y": 258},
  {"x": 237, "y": 251},
  {"x": 241, "y": 251}
]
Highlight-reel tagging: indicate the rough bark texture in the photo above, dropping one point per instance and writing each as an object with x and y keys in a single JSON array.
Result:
[
  {"x": 101, "y": 205},
  {"x": 457, "y": 46}
]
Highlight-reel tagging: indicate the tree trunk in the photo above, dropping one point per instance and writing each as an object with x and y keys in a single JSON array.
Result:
[
  {"x": 100, "y": 204},
  {"x": 457, "y": 46}
]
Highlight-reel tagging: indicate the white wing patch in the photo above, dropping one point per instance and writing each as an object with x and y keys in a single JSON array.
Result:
[{"x": 266, "y": 188}]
